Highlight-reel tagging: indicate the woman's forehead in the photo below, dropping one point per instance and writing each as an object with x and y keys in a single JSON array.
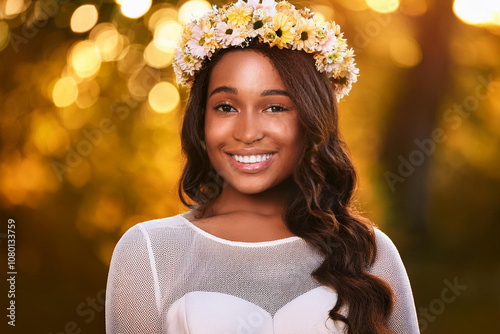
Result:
[{"x": 245, "y": 69}]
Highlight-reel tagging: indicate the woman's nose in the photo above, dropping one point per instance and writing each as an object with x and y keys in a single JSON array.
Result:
[{"x": 248, "y": 127}]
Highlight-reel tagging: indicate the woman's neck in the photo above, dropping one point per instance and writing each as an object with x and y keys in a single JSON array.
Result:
[{"x": 269, "y": 203}]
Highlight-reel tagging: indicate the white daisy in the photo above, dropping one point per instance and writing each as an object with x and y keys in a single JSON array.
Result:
[
  {"x": 229, "y": 35},
  {"x": 187, "y": 62},
  {"x": 328, "y": 42},
  {"x": 202, "y": 42}
]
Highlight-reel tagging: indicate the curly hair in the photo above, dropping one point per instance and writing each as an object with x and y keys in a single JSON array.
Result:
[{"x": 319, "y": 208}]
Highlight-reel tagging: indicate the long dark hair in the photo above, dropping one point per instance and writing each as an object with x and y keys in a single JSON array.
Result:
[{"x": 318, "y": 209}]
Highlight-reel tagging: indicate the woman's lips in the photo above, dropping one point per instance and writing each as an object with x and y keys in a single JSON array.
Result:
[{"x": 251, "y": 163}]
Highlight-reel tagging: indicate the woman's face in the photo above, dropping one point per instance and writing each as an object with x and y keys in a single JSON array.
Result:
[{"x": 252, "y": 130}]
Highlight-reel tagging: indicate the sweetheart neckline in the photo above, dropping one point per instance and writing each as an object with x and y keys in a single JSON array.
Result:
[
  {"x": 215, "y": 293},
  {"x": 199, "y": 311}
]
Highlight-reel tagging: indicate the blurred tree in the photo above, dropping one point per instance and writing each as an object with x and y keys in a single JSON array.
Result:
[{"x": 414, "y": 114}]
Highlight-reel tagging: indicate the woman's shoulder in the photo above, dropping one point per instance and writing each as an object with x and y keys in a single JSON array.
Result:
[
  {"x": 147, "y": 231},
  {"x": 388, "y": 261},
  {"x": 383, "y": 241},
  {"x": 168, "y": 236}
]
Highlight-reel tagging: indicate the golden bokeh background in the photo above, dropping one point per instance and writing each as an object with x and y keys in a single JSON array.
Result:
[{"x": 89, "y": 144}]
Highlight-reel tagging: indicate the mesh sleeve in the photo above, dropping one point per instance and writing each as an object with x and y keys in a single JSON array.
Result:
[
  {"x": 132, "y": 292},
  {"x": 389, "y": 267}
]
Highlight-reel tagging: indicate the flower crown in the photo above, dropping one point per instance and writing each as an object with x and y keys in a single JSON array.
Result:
[{"x": 277, "y": 24}]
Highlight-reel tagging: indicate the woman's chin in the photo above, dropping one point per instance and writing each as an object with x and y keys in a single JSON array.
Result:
[
  {"x": 255, "y": 188},
  {"x": 250, "y": 189}
]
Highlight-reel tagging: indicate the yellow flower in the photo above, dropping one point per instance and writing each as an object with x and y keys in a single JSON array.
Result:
[
  {"x": 282, "y": 25},
  {"x": 239, "y": 14},
  {"x": 305, "y": 34},
  {"x": 269, "y": 35}
]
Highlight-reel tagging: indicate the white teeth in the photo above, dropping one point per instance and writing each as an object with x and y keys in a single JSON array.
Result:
[{"x": 251, "y": 158}]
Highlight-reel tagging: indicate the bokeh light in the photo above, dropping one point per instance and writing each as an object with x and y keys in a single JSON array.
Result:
[
  {"x": 156, "y": 57},
  {"x": 141, "y": 81},
  {"x": 108, "y": 40},
  {"x": 356, "y": 5},
  {"x": 164, "y": 97},
  {"x": 135, "y": 8},
  {"x": 383, "y": 6},
  {"x": 49, "y": 137},
  {"x": 72, "y": 117},
  {"x": 323, "y": 13},
  {"x": 85, "y": 59},
  {"x": 167, "y": 35},
  {"x": 65, "y": 92},
  {"x": 478, "y": 12},
  {"x": 88, "y": 93},
  {"x": 193, "y": 9},
  {"x": 131, "y": 59},
  {"x": 161, "y": 15},
  {"x": 25, "y": 179},
  {"x": 11, "y": 8},
  {"x": 84, "y": 18},
  {"x": 405, "y": 52}
]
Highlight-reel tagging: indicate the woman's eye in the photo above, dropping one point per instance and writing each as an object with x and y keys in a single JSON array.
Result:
[
  {"x": 225, "y": 108},
  {"x": 274, "y": 109}
]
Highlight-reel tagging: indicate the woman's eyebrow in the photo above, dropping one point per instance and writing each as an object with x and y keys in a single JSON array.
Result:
[
  {"x": 232, "y": 90},
  {"x": 274, "y": 92},
  {"x": 224, "y": 89}
]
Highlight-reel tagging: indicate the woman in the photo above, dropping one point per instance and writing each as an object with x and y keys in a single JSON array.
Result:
[{"x": 271, "y": 244}]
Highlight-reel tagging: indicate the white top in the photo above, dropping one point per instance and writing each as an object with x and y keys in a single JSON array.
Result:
[{"x": 169, "y": 276}]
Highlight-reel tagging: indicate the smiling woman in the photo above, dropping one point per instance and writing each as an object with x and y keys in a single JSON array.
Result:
[
  {"x": 249, "y": 120},
  {"x": 271, "y": 243}
]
